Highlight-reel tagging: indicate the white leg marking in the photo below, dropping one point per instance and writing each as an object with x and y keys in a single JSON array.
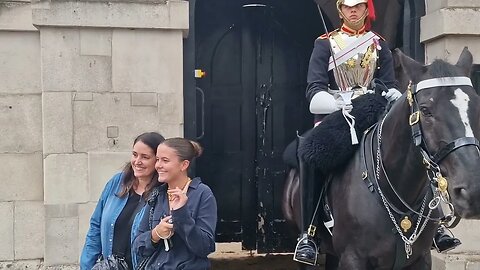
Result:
[{"x": 461, "y": 102}]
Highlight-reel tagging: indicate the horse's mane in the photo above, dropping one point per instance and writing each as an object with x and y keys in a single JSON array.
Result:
[{"x": 440, "y": 68}]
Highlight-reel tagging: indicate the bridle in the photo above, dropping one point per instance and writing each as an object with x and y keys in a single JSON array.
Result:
[
  {"x": 430, "y": 160},
  {"x": 438, "y": 182}
]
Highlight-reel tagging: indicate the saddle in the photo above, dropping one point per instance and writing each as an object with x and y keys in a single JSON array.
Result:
[{"x": 328, "y": 146}]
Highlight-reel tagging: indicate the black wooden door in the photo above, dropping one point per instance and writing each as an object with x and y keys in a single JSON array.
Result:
[{"x": 249, "y": 106}]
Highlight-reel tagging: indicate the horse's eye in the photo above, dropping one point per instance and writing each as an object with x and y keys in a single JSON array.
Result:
[{"x": 425, "y": 111}]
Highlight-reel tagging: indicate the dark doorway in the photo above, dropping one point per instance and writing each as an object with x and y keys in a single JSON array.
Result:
[{"x": 251, "y": 103}]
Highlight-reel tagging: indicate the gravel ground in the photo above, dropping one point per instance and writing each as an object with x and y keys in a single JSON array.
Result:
[{"x": 230, "y": 256}]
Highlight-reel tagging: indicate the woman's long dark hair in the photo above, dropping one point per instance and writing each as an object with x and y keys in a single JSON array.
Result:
[{"x": 152, "y": 140}]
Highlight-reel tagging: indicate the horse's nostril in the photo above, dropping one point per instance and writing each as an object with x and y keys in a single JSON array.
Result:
[{"x": 461, "y": 192}]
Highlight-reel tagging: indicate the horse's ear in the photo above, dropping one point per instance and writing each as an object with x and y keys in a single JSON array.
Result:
[
  {"x": 465, "y": 61},
  {"x": 412, "y": 68}
]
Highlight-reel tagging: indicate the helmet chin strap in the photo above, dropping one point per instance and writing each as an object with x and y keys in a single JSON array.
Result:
[{"x": 356, "y": 25}]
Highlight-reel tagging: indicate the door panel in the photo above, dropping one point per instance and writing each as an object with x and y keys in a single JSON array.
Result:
[{"x": 254, "y": 104}]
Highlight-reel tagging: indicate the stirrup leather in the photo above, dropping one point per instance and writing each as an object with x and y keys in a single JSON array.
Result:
[{"x": 309, "y": 240}]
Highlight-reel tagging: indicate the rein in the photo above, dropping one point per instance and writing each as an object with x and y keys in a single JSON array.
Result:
[{"x": 438, "y": 182}]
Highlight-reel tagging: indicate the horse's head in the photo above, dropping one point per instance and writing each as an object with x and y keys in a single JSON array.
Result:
[{"x": 445, "y": 111}]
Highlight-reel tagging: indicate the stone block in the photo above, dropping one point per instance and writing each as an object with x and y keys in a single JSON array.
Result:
[
  {"x": 61, "y": 241},
  {"x": 61, "y": 210},
  {"x": 29, "y": 230},
  {"x": 83, "y": 96},
  {"x": 112, "y": 132},
  {"x": 91, "y": 120},
  {"x": 16, "y": 16},
  {"x": 95, "y": 42},
  {"x": 432, "y": 6},
  {"x": 20, "y": 123},
  {"x": 172, "y": 14},
  {"x": 85, "y": 211},
  {"x": 65, "y": 178},
  {"x": 147, "y": 61},
  {"x": 170, "y": 107},
  {"x": 449, "y": 48},
  {"x": 144, "y": 99},
  {"x": 6, "y": 231},
  {"x": 445, "y": 22},
  {"x": 101, "y": 167},
  {"x": 170, "y": 130},
  {"x": 20, "y": 58},
  {"x": 65, "y": 69},
  {"x": 473, "y": 266},
  {"x": 467, "y": 231},
  {"x": 57, "y": 122},
  {"x": 23, "y": 174}
]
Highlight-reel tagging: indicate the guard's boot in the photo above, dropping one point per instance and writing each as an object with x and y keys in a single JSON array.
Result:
[
  {"x": 443, "y": 241},
  {"x": 306, "y": 250}
]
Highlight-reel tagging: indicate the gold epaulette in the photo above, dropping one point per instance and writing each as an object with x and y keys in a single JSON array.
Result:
[{"x": 325, "y": 36}]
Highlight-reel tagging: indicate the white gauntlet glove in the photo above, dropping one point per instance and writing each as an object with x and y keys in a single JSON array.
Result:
[{"x": 392, "y": 94}]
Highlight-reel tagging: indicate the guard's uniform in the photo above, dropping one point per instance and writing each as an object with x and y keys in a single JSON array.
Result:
[
  {"x": 360, "y": 57},
  {"x": 380, "y": 64}
]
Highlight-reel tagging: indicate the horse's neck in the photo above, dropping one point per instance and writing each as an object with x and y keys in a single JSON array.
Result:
[{"x": 401, "y": 158}]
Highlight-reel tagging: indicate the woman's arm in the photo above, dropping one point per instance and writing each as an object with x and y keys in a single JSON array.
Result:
[
  {"x": 143, "y": 245},
  {"x": 198, "y": 233},
  {"x": 93, "y": 244}
]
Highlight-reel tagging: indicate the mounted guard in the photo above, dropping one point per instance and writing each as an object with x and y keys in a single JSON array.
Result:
[{"x": 346, "y": 63}]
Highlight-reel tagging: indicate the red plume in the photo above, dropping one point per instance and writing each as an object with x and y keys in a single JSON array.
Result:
[{"x": 371, "y": 15}]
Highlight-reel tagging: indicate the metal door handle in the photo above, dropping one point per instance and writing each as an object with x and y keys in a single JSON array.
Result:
[{"x": 202, "y": 134}]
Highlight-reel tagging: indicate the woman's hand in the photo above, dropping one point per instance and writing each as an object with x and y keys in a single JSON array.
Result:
[
  {"x": 179, "y": 198},
  {"x": 163, "y": 230}
]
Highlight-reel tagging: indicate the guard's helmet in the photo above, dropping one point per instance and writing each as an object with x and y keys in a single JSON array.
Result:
[{"x": 367, "y": 17}]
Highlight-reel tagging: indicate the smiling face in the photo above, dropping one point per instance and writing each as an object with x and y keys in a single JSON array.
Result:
[
  {"x": 142, "y": 160},
  {"x": 169, "y": 166}
]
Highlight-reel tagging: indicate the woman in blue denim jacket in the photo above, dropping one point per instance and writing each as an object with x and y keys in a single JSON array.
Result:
[
  {"x": 178, "y": 229},
  {"x": 121, "y": 206}
]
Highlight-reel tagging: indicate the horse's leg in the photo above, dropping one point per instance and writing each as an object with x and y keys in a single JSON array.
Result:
[{"x": 423, "y": 263}]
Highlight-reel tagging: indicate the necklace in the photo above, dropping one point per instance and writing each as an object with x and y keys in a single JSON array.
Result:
[{"x": 171, "y": 197}]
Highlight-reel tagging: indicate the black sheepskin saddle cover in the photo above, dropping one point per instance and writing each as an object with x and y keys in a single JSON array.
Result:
[{"x": 328, "y": 147}]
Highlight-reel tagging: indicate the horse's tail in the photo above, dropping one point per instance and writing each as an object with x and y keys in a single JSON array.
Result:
[{"x": 291, "y": 199}]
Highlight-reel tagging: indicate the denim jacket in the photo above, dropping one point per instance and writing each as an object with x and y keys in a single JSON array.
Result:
[
  {"x": 99, "y": 239},
  {"x": 194, "y": 225}
]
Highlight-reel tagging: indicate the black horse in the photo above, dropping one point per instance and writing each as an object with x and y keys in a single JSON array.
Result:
[{"x": 423, "y": 148}]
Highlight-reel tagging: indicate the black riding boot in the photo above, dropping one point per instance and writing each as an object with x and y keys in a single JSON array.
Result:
[
  {"x": 306, "y": 250},
  {"x": 443, "y": 241}
]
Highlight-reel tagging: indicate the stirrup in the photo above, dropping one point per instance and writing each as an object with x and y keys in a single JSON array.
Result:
[{"x": 303, "y": 251}]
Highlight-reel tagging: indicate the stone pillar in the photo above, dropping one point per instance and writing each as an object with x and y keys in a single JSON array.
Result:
[
  {"x": 447, "y": 27},
  {"x": 110, "y": 71},
  {"x": 21, "y": 196}
]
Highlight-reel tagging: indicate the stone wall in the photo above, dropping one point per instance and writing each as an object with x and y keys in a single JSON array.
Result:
[
  {"x": 447, "y": 27},
  {"x": 79, "y": 80}
]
